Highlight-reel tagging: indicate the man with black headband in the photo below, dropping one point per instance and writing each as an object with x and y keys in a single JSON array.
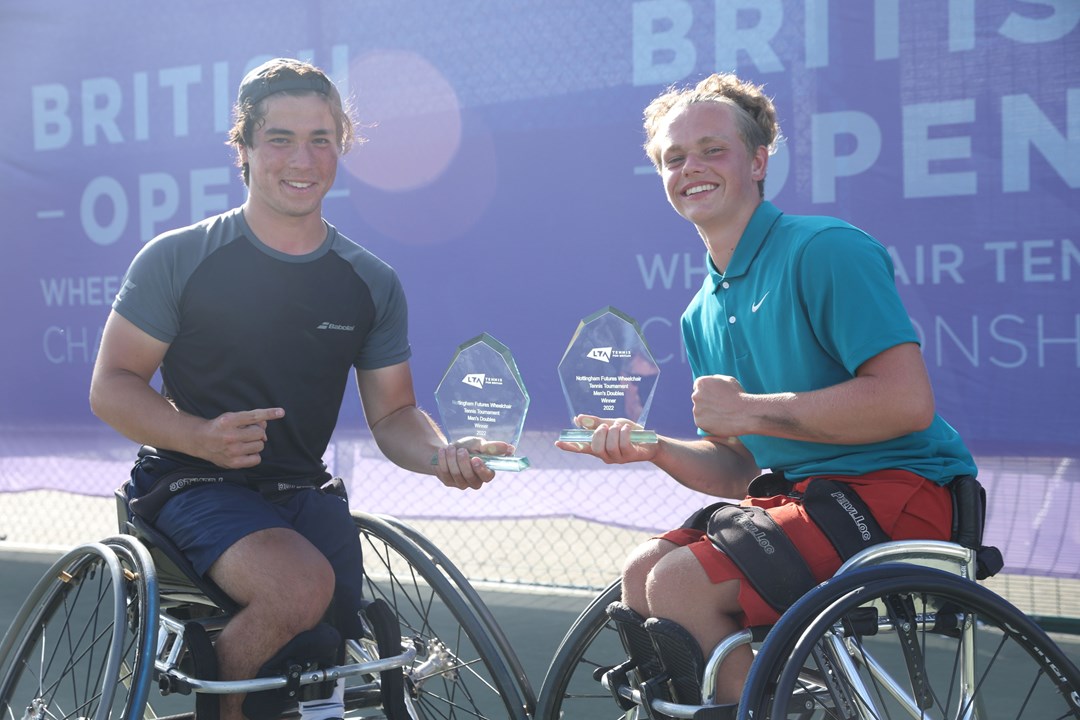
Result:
[{"x": 255, "y": 319}]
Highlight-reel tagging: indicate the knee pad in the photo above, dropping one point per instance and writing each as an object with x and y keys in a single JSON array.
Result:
[{"x": 315, "y": 648}]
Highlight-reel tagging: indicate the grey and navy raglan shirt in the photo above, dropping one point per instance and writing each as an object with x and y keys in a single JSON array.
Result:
[{"x": 249, "y": 327}]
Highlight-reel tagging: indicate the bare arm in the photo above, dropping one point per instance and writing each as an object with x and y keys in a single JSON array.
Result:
[
  {"x": 121, "y": 395},
  {"x": 889, "y": 396},
  {"x": 715, "y": 466},
  {"x": 410, "y": 438}
]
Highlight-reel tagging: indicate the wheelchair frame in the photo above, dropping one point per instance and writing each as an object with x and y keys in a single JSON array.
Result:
[
  {"x": 107, "y": 623},
  {"x": 813, "y": 654},
  {"x": 131, "y": 608}
]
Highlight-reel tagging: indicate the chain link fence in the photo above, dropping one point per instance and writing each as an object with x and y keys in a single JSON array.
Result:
[{"x": 566, "y": 523}]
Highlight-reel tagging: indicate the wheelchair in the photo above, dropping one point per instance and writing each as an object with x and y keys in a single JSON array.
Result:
[
  {"x": 902, "y": 630},
  {"x": 115, "y": 629}
]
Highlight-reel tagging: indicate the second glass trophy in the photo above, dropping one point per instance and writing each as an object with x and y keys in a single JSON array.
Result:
[
  {"x": 608, "y": 371},
  {"x": 482, "y": 395}
]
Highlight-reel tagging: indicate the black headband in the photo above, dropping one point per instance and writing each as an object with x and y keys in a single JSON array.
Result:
[{"x": 256, "y": 86}]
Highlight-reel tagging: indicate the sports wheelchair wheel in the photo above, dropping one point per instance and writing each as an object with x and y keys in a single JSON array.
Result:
[
  {"x": 569, "y": 689},
  {"x": 82, "y": 644},
  {"x": 460, "y": 670},
  {"x": 895, "y": 641},
  {"x": 476, "y": 604}
]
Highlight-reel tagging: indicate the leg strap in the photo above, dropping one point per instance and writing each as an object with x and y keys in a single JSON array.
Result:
[
  {"x": 766, "y": 556},
  {"x": 763, "y": 553},
  {"x": 843, "y": 517},
  {"x": 310, "y": 649},
  {"x": 204, "y": 666}
]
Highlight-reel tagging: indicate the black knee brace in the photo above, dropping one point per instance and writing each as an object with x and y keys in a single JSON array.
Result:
[{"x": 315, "y": 648}]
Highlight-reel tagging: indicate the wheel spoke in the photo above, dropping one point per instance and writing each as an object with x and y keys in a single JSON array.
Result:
[
  {"x": 995, "y": 662},
  {"x": 458, "y": 672}
]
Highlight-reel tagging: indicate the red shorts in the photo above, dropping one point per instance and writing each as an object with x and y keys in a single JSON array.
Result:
[{"x": 906, "y": 506}]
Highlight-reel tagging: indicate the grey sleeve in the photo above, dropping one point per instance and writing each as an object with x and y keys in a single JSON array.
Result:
[
  {"x": 388, "y": 342},
  {"x": 149, "y": 295}
]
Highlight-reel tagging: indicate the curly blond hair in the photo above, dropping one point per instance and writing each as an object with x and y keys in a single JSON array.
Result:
[{"x": 755, "y": 115}]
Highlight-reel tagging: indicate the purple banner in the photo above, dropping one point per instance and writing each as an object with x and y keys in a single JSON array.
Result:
[{"x": 504, "y": 178}]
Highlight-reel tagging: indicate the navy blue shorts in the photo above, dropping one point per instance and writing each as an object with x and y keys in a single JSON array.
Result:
[{"x": 206, "y": 520}]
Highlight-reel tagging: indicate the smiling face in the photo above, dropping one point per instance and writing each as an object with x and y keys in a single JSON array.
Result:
[
  {"x": 709, "y": 175},
  {"x": 292, "y": 158}
]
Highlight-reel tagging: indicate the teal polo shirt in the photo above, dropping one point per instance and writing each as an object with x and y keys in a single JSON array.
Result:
[{"x": 804, "y": 302}]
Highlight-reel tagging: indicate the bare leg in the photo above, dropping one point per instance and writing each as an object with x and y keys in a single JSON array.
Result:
[
  {"x": 284, "y": 585},
  {"x": 678, "y": 589},
  {"x": 636, "y": 571}
]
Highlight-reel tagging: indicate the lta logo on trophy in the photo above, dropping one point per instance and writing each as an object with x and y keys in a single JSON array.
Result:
[
  {"x": 606, "y": 354},
  {"x": 479, "y": 380},
  {"x": 475, "y": 380},
  {"x": 601, "y": 354}
]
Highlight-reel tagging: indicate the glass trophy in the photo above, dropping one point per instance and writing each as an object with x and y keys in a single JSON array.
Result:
[
  {"x": 608, "y": 371},
  {"x": 482, "y": 395}
]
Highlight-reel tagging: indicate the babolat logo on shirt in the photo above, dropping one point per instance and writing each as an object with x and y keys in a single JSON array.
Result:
[
  {"x": 858, "y": 519},
  {"x": 128, "y": 287},
  {"x": 605, "y": 354},
  {"x": 335, "y": 326},
  {"x": 478, "y": 380}
]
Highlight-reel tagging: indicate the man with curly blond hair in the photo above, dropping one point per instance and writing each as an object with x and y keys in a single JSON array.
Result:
[{"x": 805, "y": 364}]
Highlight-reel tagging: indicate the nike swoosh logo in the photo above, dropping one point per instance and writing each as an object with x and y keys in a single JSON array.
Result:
[{"x": 755, "y": 306}]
